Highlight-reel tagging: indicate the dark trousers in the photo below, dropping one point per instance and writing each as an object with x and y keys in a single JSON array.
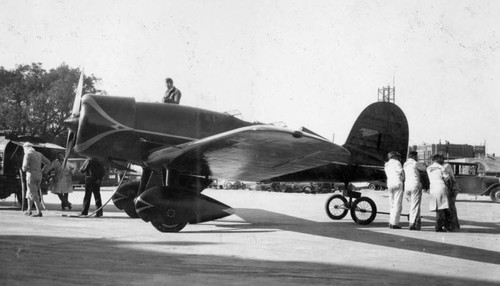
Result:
[
  {"x": 443, "y": 218},
  {"x": 64, "y": 200},
  {"x": 454, "y": 224},
  {"x": 92, "y": 188}
]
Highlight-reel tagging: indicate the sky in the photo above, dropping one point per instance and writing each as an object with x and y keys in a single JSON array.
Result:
[{"x": 307, "y": 63}]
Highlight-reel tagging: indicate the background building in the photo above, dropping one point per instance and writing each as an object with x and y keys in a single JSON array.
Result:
[{"x": 450, "y": 151}]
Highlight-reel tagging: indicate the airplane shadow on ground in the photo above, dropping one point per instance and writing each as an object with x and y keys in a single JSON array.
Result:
[
  {"x": 262, "y": 219},
  {"x": 485, "y": 227},
  {"x": 474, "y": 202},
  {"x": 49, "y": 260},
  {"x": 258, "y": 220}
]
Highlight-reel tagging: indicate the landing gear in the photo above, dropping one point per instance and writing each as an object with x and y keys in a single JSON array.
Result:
[
  {"x": 124, "y": 198},
  {"x": 336, "y": 207},
  {"x": 363, "y": 210},
  {"x": 164, "y": 227}
]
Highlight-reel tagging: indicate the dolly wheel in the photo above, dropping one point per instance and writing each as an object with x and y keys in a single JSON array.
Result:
[
  {"x": 336, "y": 207},
  {"x": 363, "y": 210}
]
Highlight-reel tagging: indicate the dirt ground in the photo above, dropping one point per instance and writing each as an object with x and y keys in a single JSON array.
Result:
[{"x": 273, "y": 239}]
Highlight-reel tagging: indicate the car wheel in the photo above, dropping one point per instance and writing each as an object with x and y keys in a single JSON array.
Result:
[
  {"x": 495, "y": 195},
  {"x": 307, "y": 190},
  {"x": 372, "y": 187},
  {"x": 277, "y": 187}
]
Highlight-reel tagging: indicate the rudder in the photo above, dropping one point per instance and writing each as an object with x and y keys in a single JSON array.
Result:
[{"x": 381, "y": 127}]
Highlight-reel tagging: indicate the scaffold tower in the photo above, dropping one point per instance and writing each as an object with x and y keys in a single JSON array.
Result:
[{"x": 387, "y": 94}]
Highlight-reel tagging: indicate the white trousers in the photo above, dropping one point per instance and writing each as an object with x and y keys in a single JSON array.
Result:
[
  {"x": 395, "y": 203},
  {"x": 415, "y": 195}
]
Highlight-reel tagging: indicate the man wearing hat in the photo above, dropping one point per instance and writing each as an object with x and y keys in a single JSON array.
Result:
[
  {"x": 32, "y": 165},
  {"x": 172, "y": 94},
  {"x": 395, "y": 178}
]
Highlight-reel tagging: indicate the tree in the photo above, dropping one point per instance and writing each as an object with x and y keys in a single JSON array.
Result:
[{"x": 36, "y": 102}]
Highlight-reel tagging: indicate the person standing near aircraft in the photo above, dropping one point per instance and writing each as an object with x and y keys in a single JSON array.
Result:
[
  {"x": 395, "y": 178},
  {"x": 438, "y": 178},
  {"x": 94, "y": 172},
  {"x": 61, "y": 183},
  {"x": 172, "y": 94},
  {"x": 413, "y": 188},
  {"x": 32, "y": 165},
  {"x": 452, "y": 196}
]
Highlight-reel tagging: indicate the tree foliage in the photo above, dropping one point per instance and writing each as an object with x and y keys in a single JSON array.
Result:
[{"x": 35, "y": 102}]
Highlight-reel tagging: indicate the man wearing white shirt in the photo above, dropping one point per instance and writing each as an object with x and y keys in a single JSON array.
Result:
[
  {"x": 395, "y": 178},
  {"x": 413, "y": 188}
]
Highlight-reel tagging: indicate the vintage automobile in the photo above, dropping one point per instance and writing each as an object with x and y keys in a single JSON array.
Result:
[
  {"x": 376, "y": 186},
  {"x": 304, "y": 187},
  {"x": 111, "y": 178},
  {"x": 470, "y": 182},
  {"x": 11, "y": 159}
]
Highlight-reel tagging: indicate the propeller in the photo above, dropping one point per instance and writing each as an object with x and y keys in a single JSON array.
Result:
[{"x": 72, "y": 120}]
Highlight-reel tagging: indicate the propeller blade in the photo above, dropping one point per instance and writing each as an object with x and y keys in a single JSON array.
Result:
[
  {"x": 70, "y": 143},
  {"x": 78, "y": 97},
  {"x": 72, "y": 121}
]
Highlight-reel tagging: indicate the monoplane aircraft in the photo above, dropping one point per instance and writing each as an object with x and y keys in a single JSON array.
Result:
[{"x": 180, "y": 149}]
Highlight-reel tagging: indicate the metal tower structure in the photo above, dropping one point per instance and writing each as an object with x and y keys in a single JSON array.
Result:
[{"x": 387, "y": 94}]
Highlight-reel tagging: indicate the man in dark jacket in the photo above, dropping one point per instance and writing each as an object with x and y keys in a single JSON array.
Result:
[
  {"x": 94, "y": 172},
  {"x": 172, "y": 94}
]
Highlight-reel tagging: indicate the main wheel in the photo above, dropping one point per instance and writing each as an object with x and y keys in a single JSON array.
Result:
[
  {"x": 163, "y": 227},
  {"x": 495, "y": 195},
  {"x": 363, "y": 210},
  {"x": 372, "y": 187},
  {"x": 336, "y": 207}
]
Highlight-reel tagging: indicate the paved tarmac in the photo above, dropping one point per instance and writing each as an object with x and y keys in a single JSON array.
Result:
[{"x": 273, "y": 239}]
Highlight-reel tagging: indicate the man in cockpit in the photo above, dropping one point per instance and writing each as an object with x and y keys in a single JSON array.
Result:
[{"x": 172, "y": 94}]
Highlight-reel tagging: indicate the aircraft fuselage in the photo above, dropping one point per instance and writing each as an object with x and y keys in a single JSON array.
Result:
[{"x": 119, "y": 128}]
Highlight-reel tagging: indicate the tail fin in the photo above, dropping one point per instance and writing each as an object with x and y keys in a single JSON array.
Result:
[{"x": 382, "y": 127}]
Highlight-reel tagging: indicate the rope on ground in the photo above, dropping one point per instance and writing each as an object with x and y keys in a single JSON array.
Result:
[{"x": 107, "y": 202}]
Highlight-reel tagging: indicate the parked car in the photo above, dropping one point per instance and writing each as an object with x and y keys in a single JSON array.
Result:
[
  {"x": 11, "y": 160},
  {"x": 111, "y": 177},
  {"x": 227, "y": 185},
  {"x": 304, "y": 187},
  {"x": 470, "y": 182},
  {"x": 378, "y": 186}
]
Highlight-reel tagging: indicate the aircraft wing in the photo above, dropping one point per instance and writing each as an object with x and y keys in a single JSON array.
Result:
[{"x": 253, "y": 153}]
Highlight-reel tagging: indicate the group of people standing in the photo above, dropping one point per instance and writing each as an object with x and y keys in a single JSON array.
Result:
[
  {"x": 60, "y": 180},
  {"x": 406, "y": 178}
]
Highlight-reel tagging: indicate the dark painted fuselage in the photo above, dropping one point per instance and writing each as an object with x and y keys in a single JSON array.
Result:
[{"x": 121, "y": 129}]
